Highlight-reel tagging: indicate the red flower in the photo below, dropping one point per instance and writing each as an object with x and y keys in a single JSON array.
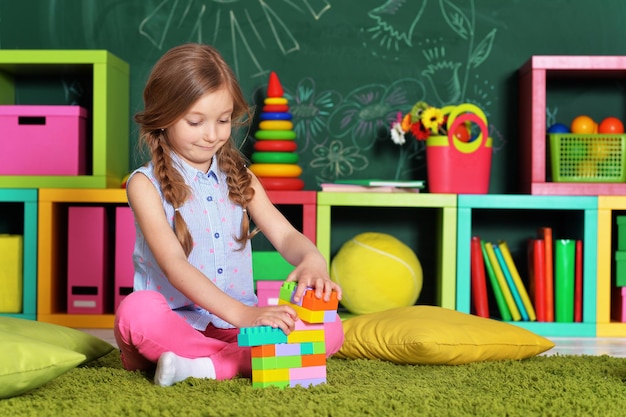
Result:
[{"x": 419, "y": 131}]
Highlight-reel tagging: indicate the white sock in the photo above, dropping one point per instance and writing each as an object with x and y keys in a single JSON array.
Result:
[{"x": 172, "y": 368}]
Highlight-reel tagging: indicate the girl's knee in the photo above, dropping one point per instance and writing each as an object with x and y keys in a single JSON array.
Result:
[{"x": 334, "y": 335}]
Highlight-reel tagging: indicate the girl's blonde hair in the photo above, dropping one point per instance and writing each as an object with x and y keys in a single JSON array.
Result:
[{"x": 183, "y": 75}]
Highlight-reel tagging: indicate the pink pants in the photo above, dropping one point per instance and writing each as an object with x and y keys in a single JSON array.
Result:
[{"x": 146, "y": 327}]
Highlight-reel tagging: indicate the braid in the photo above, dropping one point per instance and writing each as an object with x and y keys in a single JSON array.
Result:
[
  {"x": 240, "y": 190},
  {"x": 173, "y": 187}
]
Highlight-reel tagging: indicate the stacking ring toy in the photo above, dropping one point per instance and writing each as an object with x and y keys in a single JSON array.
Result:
[
  {"x": 269, "y": 115},
  {"x": 275, "y": 146},
  {"x": 276, "y": 125},
  {"x": 275, "y": 134},
  {"x": 275, "y": 100},
  {"x": 274, "y": 158},
  {"x": 277, "y": 183},
  {"x": 276, "y": 108},
  {"x": 276, "y": 170}
]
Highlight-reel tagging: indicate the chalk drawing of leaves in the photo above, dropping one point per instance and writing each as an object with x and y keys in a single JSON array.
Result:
[
  {"x": 456, "y": 19},
  {"x": 482, "y": 51}
]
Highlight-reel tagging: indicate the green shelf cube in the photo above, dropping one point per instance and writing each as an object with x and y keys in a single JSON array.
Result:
[{"x": 109, "y": 107}]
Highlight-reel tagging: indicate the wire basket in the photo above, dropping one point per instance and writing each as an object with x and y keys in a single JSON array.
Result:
[{"x": 587, "y": 158}]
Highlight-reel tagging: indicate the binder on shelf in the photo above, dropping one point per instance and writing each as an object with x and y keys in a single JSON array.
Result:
[
  {"x": 564, "y": 277},
  {"x": 506, "y": 292},
  {"x": 545, "y": 233},
  {"x": 505, "y": 314},
  {"x": 509, "y": 281},
  {"x": 536, "y": 272},
  {"x": 478, "y": 279},
  {"x": 87, "y": 260},
  {"x": 578, "y": 283},
  {"x": 517, "y": 280},
  {"x": 11, "y": 273},
  {"x": 124, "y": 246}
]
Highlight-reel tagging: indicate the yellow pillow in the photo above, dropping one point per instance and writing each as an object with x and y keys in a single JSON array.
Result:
[{"x": 429, "y": 335}]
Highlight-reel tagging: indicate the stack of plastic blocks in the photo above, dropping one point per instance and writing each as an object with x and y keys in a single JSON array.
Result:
[{"x": 299, "y": 358}]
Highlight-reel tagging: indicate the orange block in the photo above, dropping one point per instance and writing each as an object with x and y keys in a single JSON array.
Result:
[
  {"x": 309, "y": 301},
  {"x": 263, "y": 351},
  {"x": 313, "y": 360}
]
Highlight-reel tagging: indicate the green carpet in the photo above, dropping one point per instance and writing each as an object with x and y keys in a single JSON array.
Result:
[{"x": 541, "y": 386}]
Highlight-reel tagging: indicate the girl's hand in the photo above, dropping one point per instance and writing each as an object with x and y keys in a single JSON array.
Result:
[
  {"x": 282, "y": 316},
  {"x": 312, "y": 273}
]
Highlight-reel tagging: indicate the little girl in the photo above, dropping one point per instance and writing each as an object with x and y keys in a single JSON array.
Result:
[{"x": 192, "y": 203}]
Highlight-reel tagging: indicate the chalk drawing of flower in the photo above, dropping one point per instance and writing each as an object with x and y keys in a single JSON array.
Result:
[
  {"x": 311, "y": 110},
  {"x": 367, "y": 110},
  {"x": 337, "y": 161}
]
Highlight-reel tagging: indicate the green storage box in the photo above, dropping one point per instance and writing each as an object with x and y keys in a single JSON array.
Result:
[
  {"x": 620, "y": 268},
  {"x": 621, "y": 233}
]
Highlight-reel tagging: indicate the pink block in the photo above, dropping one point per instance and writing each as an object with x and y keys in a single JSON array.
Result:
[
  {"x": 307, "y": 382},
  {"x": 623, "y": 315},
  {"x": 267, "y": 292},
  {"x": 124, "y": 246},
  {"x": 309, "y": 372},
  {"x": 43, "y": 140},
  {"x": 303, "y": 325},
  {"x": 87, "y": 260}
]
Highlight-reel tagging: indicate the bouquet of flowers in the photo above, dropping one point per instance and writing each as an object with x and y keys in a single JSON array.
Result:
[{"x": 422, "y": 121}]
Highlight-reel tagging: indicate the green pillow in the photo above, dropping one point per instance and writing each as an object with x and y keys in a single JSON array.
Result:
[
  {"x": 430, "y": 335},
  {"x": 64, "y": 337},
  {"x": 32, "y": 353},
  {"x": 27, "y": 363}
]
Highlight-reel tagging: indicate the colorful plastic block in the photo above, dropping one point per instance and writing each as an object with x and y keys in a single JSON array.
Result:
[
  {"x": 264, "y": 351},
  {"x": 262, "y": 335},
  {"x": 313, "y": 360},
  {"x": 307, "y": 382},
  {"x": 306, "y": 336},
  {"x": 310, "y": 301}
]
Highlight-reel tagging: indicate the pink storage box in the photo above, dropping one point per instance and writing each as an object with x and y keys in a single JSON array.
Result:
[
  {"x": 42, "y": 140},
  {"x": 87, "y": 261},
  {"x": 124, "y": 246},
  {"x": 268, "y": 292}
]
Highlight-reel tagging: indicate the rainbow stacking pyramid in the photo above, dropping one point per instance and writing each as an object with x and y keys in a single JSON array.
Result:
[
  {"x": 299, "y": 358},
  {"x": 274, "y": 159}
]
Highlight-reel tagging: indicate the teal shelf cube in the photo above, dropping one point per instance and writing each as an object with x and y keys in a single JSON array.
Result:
[
  {"x": 24, "y": 200},
  {"x": 515, "y": 218}
]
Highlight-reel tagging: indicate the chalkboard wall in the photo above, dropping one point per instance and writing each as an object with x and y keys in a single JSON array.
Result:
[{"x": 349, "y": 66}]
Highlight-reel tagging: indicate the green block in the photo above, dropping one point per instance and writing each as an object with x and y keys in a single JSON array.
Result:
[
  {"x": 620, "y": 268},
  {"x": 288, "y": 362},
  {"x": 621, "y": 233}
]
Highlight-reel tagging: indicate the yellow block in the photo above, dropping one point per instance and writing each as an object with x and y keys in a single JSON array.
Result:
[
  {"x": 276, "y": 125},
  {"x": 11, "y": 273},
  {"x": 301, "y": 336},
  {"x": 270, "y": 375},
  {"x": 275, "y": 100},
  {"x": 276, "y": 170}
]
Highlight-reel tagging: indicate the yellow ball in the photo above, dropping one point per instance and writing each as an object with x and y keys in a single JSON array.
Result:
[{"x": 376, "y": 272}]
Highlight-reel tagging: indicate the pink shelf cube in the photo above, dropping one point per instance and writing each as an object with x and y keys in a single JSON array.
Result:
[
  {"x": 42, "y": 140},
  {"x": 532, "y": 77}
]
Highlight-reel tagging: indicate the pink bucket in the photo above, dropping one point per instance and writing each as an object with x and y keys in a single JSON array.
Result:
[{"x": 457, "y": 167}]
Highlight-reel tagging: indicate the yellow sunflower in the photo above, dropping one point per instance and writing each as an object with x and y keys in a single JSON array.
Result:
[{"x": 432, "y": 118}]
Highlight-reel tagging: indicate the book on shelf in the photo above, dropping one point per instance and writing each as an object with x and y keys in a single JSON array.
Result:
[
  {"x": 369, "y": 186},
  {"x": 505, "y": 314},
  {"x": 536, "y": 276},
  {"x": 504, "y": 287},
  {"x": 517, "y": 280},
  {"x": 349, "y": 188},
  {"x": 578, "y": 283},
  {"x": 564, "y": 279},
  {"x": 478, "y": 279},
  {"x": 545, "y": 233},
  {"x": 511, "y": 284}
]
